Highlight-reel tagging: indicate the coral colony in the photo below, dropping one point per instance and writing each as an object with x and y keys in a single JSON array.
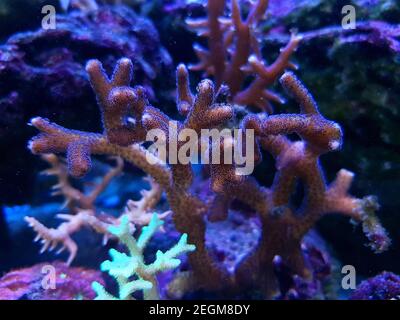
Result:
[
  {"x": 127, "y": 118},
  {"x": 228, "y": 126}
]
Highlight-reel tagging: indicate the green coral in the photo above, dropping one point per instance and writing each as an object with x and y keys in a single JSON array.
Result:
[{"x": 130, "y": 270}]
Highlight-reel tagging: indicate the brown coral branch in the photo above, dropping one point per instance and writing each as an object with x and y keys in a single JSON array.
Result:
[
  {"x": 184, "y": 97},
  {"x": 256, "y": 93},
  {"x": 362, "y": 211},
  {"x": 212, "y": 62},
  {"x": 299, "y": 161},
  {"x": 234, "y": 53},
  {"x": 54, "y": 138},
  {"x": 205, "y": 113}
]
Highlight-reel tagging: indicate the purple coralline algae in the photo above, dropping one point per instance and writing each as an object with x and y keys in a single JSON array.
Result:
[
  {"x": 31, "y": 283},
  {"x": 385, "y": 286}
]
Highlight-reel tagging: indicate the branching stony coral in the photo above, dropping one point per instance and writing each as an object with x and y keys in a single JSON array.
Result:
[
  {"x": 83, "y": 210},
  {"x": 61, "y": 236},
  {"x": 127, "y": 116},
  {"x": 75, "y": 199},
  {"x": 139, "y": 212},
  {"x": 234, "y": 53},
  {"x": 130, "y": 270}
]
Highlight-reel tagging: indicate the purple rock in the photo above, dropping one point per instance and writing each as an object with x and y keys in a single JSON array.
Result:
[
  {"x": 385, "y": 286},
  {"x": 30, "y": 283}
]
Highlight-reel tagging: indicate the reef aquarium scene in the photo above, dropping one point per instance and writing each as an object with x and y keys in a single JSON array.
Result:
[{"x": 200, "y": 150}]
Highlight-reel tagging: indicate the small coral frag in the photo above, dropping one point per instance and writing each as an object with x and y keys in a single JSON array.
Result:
[{"x": 130, "y": 271}]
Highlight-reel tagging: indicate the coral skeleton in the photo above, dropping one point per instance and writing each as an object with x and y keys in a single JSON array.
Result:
[
  {"x": 130, "y": 270},
  {"x": 234, "y": 53},
  {"x": 283, "y": 226}
]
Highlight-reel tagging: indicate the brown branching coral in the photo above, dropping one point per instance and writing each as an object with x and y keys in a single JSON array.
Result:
[
  {"x": 299, "y": 161},
  {"x": 128, "y": 117},
  {"x": 234, "y": 53}
]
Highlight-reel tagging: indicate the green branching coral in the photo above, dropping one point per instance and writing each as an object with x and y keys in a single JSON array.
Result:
[{"x": 130, "y": 270}]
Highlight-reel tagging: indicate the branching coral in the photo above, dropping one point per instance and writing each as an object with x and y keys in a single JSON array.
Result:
[
  {"x": 138, "y": 212},
  {"x": 75, "y": 199},
  {"x": 51, "y": 238},
  {"x": 130, "y": 271},
  {"x": 122, "y": 100},
  {"x": 234, "y": 53},
  {"x": 83, "y": 210},
  {"x": 299, "y": 160},
  {"x": 127, "y": 116}
]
